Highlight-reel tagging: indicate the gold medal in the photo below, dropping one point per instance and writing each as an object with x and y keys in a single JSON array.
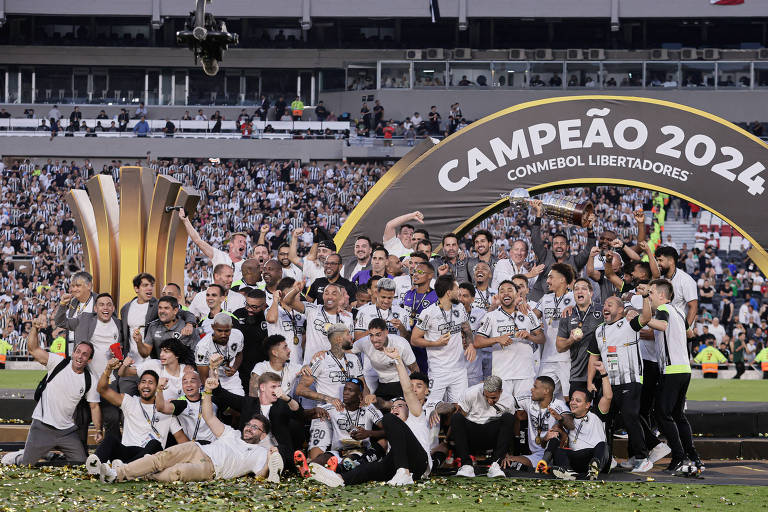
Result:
[
  {"x": 295, "y": 340},
  {"x": 578, "y": 333},
  {"x": 328, "y": 326},
  {"x": 538, "y": 439}
]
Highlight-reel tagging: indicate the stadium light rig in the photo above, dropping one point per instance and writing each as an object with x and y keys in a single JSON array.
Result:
[{"x": 207, "y": 38}]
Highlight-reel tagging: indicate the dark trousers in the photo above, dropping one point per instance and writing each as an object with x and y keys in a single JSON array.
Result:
[
  {"x": 421, "y": 359},
  {"x": 670, "y": 402},
  {"x": 288, "y": 432},
  {"x": 710, "y": 375},
  {"x": 112, "y": 448},
  {"x": 626, "y": 401},
  {"x": 43, "y": 438},
  {"x": 405, "y": 451},
  {"x": 740, "y": 368},
  {"x": 647, "y": 399},
  {"x": 578, "y": 460},
  {"x": 469, "y": 437}
]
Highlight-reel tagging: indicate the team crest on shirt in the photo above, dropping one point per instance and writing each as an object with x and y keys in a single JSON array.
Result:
[
  {"x": 596, "y": 314},
  {"x": 234, "y": 347},
  {"x": 472, "y": 319},
  {"x": 396, "y": 315},
  {"x": 176, "y": 335},
  {"x": 82, "y": 390},
  {"x": 455, "y": 312},
  {"x": 621, "y": 322},
  {"x": 567, "y": 301},
  {"x": 520, "y": 317}
]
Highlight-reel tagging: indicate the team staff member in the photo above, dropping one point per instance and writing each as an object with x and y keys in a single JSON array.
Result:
[
  {"x": 685, "y": 291},
  {"x": 709, "y": 357},
  {"x": 80, "y": 299},
  {"x": 222, "y": 276},
  {"x": 419, "y": 298},
  {"x": 616, "y": 344},
  {"x": 587, "y": 450},
  {"x": 332, "y": 269},
  {"x": 670, "y": 328},
  {"x": 576, "y": 331},
  {"x": 251, "y": 321},
  {"x": 167, "y": 326},
  {"x": 235, "y": 254},
  {"x": 186, "y": 410}
]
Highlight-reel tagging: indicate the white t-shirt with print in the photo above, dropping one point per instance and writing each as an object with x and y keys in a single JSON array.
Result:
[
  {"x": 232, "y": 457},
  {"x": 61, "y": 396}
]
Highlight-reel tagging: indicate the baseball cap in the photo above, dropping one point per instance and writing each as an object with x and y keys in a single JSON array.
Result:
[{"x": 328, "y": 244}]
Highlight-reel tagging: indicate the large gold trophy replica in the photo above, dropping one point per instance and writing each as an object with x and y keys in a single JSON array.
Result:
[
  {"x": 558, "y": 207},
  {"x": 138, "y": 233}
]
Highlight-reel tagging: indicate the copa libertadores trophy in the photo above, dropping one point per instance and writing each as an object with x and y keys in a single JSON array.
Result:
[{"x": 558, "y": 207}]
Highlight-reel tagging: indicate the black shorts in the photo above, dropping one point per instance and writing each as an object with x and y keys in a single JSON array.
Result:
[{"x": 389, "y": 390}]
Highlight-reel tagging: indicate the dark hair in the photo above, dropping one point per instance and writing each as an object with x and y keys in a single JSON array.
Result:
[
  {"x": 378, "y": 323},
  {"x": 565, "y": 270},
  {"x": 560, "y": 234},
  {"x": 450, "y": 235},
  {"x": 420, "y": 376},
  {"x": 273, "y": 341},
  {"x": 645, "y": 266},
  {"x": 222, "y": 291},
  {"x": 669, "y": 252},
  {"x": 468, "y": 287},
  {"x": 583, "y": 280},
  {"x": 364, "y": 237},
  {"x": 257, "y": 294},
  {"x": 285, "y": 283},
  {"x": 180, "y": 350},
  {"x": 588, "y": 397},
  {"x": 263, "y": 419},
  {"x": 423, "y": 232},
  {"x": 519, "y": 276},
  {"x": 666, "y": 285},
  {"x": 104, "y": 295},
  {"x": 93, "y": 349},
  {"x": 381, "y": 248},
  {"x": 170, "y": 300},
  {"x": 443, "y": 284},
  {"x": 153, "y": 373},
  {"x": 174, "y": 285},
  {"x": 546, "y": 381},
  {"x": 221, "y": 266},
  {"x": 482, "y": 232},
  {"x": 140, "y": 277},
  {"x": 508, "y": 281},
  {"x": 420, "y": 255}
]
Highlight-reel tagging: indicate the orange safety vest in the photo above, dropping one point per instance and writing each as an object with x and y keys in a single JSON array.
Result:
[
  {"x": 2, "y": 358},
  {"x": 709, "y": 368},
  {"x": 764, "y": 366}
]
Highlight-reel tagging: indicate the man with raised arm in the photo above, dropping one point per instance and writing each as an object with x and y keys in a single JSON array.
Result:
[
  {"x": 233, "y": 257},
  {"x": 397, "y": 233}
]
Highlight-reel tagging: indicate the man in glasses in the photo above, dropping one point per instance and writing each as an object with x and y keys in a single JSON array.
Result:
[
  {"x": 332, "y": 269},
  {"x": 347, "y": 436}
]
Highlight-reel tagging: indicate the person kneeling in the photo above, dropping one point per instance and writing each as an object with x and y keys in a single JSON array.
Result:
[
  {"x": 484, "y": 420},
  {"x": 231, "y": 455},
  {"x": 587, "y": 450}
]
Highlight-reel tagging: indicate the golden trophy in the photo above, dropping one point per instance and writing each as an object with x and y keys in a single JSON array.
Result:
[{"x": 558, "y": 207}]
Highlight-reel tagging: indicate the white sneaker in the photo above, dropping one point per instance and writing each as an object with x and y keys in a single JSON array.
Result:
[
  {"x": 495, "y": 471},
  {"x": 116, "y": 464},
  {"x": 275, "y": 464},
  {"x": 12, "y": 458},
  {"x": 466, "y": 470},
  {"x": 642, "y": 465},
  {"x": 629, "y": 463},
  {"x": 658, "y": 452},
  {"x": 402, "y": 477},
  {"x": 564, "y": 474},
  {"x": 92, "y": 464},
  {"x": 106, "y": 473},
  {"x": 325, "y": 475},
  {"x": 614, "y": 463}
]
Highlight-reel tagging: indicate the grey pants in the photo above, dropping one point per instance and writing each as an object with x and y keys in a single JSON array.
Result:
[{"x": 43, "y": 438}]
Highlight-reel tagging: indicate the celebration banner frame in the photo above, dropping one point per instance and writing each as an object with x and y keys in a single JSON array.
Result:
[{"x": 574, "y": 141}]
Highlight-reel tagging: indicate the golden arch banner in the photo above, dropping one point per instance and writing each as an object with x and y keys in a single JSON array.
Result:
[
  {"x": 575, "y": 141},
  {"x": 133, "y": 233}
]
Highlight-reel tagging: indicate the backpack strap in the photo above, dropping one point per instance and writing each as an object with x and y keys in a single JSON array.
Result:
[{"x": 62, "y": 364}]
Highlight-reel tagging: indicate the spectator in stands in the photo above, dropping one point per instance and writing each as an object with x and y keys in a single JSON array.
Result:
[
  {"x": 170, "y": 128},
  {"x": 555, "y": 81},
  {"x": 122, "y": 120},
  {"x": 320, "y": 111},
  {"x": 200, "y": 116},
  {"x": 536, "y": 81},
  {"x": 29, "y": 113},
  {"x": 140, "y": 112},
  {"x": 589, "y": 83},
  {"x": 286, "y": 115},
  {"x": 378, "y": 113},
  {"x": 365, "y": 115},
  {"x": 186, "y": 116},
  {"x": 280, "y": 107},
  {"x": 75, "y": 116},
  {"x": 54, "y": 113},
  {"x": 102, "y": 115},
  {"x": 297, "y": 108},
  {"x": 434, "y": 120},
  {"x": 246, "y": 129},
  {"x": 6, "y": 115},
  {"x": 141, "y": 129}
]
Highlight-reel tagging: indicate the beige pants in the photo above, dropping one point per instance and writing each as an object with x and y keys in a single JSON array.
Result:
[{"x": 184, "y": 462}]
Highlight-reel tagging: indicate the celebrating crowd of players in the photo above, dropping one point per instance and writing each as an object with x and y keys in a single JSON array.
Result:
[{"x": 381, "y": 367}]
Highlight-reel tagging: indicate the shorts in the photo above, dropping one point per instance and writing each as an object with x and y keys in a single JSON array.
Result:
[
  {"x": 448, "y": 387},
  {"x": 389, "y": 390},
  {"x": 560, "y": 372},
  {"x": 518, "y": 387},
  {"x": 535, "y": 457}
]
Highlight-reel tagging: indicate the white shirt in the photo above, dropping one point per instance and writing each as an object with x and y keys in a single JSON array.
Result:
[
  {"x": 292, "y": 271},
  {"x": 539, "y": 420},
  {"x": 383, "y": 364},
  {"x": 395, "y": 246},
  {"x": 104, "y": 335},
  {"x": 588, "y": 431},
  {"x": 139, "y": 427},
  {"x": 191, "y": 421},
  {"x": 137, "y": 319},
  {"x": 57, "y": 405},
  {"x": 478, "y": 411},
  {"x": 551, "y": 308},
  {"x": 419, "y": 425},
  {"x": 206, "y": 348},
  {"x": 685, "y": 289},
  {"x": 515, "y": 361},
  {"x": 402, "y": 285},
  {"x": 331, "y": 374},
  {"x": 332, "y": 433},
  {"x": 447, "y": 359},
  {"x": 504, "y": 270},
  {"x": 317, "y": 319},
  {"x": 232, "y": 303},
  {"x": 312, "y": 270},
  {"x": 287, "y": 374},
  {"x": 292, "y": 326},
  {"x": 220, "y": 256},
  {"x": 718, "y": 332},
  {"x": 483, "y": 299},
  {"x": 173, "y": 389},
  {"x": 370, "y": 311},
  {"x": 232, "y": 457}
]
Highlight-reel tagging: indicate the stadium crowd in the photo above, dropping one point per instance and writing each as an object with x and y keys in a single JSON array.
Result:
[{"x": 528, "y": 338}]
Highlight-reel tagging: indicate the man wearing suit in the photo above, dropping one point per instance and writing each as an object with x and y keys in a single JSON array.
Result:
[
  {"x": 80, "y": 299},
  {"x": 136, "y": 315},
  {"x": 101, "y": 329}
]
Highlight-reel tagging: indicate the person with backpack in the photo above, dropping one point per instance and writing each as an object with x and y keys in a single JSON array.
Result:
[{"x": 68, "y": 382}]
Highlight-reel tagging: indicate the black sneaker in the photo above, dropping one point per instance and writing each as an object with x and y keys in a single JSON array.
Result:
[
  {"x": 676, "y": 467},
  {"x": 594, "y": 470}
]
